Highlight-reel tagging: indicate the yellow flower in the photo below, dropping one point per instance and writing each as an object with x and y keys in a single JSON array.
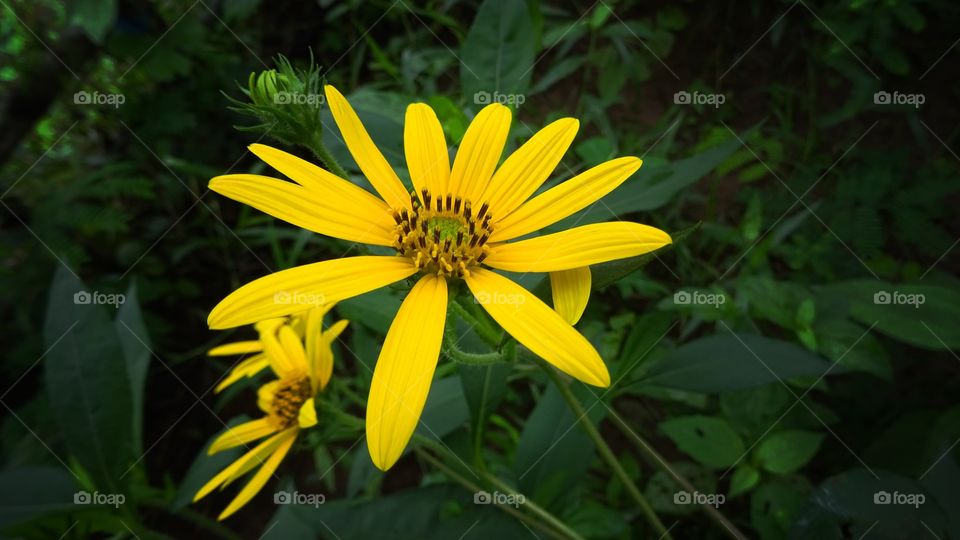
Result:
[
  {"x": 287, "y": 401},
  {"x": 458, "y": 224}
]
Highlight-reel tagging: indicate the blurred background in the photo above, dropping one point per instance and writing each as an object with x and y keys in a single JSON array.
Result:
[{"x": 792, "y": 357}]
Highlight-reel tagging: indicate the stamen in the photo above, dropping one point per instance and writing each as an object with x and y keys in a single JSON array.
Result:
[{"x": 442, "y": 234}]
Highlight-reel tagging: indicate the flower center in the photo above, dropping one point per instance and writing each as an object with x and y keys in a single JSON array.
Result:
[
  {"x": 288, "y": 398},
  {"x": 443, "y": 235}
]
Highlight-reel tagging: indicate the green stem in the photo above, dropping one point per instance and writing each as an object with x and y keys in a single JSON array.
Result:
[
  {"x": 577, "y": 409},
  {"x": 439, "y": 465},
  {"x": 656, "y": 459},
  {"x": 315, "y": 144},
  {"x": 463, "y": 357},
  {"x": 533, "y": 507},
  {"x": 483, "y": 329}
]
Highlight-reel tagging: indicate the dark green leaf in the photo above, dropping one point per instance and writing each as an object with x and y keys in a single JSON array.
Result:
[
  {"x": 498, "y": 53},
  {"x": 87, "y": 382},
  {"x": 783, "y": 452},
  {"x": 730, "y": 362},
  {"x": 709, "y": 440}
]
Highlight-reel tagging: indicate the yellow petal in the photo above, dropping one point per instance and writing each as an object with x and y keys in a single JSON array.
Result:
[
  {"x": 368, "y": 157},
  {"x": 320, "y": 352},
  {"x": 247, "y": 368},
  {"x": 404, "y": 370},
  {"x": 237, "y": 347},
  {"x": 529, "y": 167},
  {"x": 537, "y": 327},
  {"x": 320, "y": 181},
  {"x": 303, "y": 287},
  {"x": 571, "y": 291},
  {"x": 329, "y": 213},
  {"x": 577, "y": 247},
  {"x": 565, "y": 199},
  {"x": 242, "y": 434},
  {"x": 260, "y": 478},
  {"x": 265, "y": 395},
  {"x": 427, "y": 158},
  {"x": 281, "y": 364},
  {"x": 307, "y": 417},
  {"x": 479, "y": 152},
  {"x": 245, "y": 463}
]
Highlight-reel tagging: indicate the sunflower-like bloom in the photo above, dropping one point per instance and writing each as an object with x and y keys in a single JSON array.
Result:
[
  {"x": 459, "y": 223},
  {"x": 302, "y": 370}
]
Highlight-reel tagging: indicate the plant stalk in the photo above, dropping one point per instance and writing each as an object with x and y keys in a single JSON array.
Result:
[
  {"x": 577, "y": 409},
  {"x": 655, "y": 458}
]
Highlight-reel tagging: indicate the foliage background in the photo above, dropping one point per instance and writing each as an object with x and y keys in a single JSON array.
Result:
[{"x": 798, "y": 398}]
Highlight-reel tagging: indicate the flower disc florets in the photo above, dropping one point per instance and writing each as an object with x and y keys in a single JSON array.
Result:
[{"x": 444, "y": 235}]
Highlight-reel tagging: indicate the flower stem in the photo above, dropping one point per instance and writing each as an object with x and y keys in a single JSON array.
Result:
[
  {"x": 560, "y": 527},
  {"x": 655, "y": 458},
  {"x": 439, "y": 465},
  {"x": 577, "y": 409},
  {"x": 315, "y": 144}
]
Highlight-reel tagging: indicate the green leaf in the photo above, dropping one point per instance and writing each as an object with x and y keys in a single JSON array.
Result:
[
  {"x": 853, "y": 347},
  {"x": 595, "y": 150},
  {"x": 30, "y": 492},
  {"x": 856, "y": 501},
  {"x": 484, "y": 388},
  {"x": 607, "y": 273},
  {"x": 94, "y": 16},
  {"x": 654, "y": 186},
  {"x": 744, "y": 478},
  {"x": 553, "y": 454},
  {"x": 773, "y": 506},
  {"x": 708, "y": 439},
  {"x": 135, "y": 342},
  {"x": 784, "y": 452},
  {"x": 727, "y": 362},
  {"x": 87, "y": 382},
  {"x": 205, "y": 467},
  {"x": 498, "y": 53},
  {"x": 921, "y": 315},
  {"x": 664, "y": 493}
]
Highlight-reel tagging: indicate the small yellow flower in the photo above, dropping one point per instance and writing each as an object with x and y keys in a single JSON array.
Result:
[
  {"x": 461, "y": 221},
  {"x": 287, "y": 401}
]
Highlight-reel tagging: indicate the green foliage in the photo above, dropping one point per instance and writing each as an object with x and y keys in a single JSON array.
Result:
[{"x": 756, "y": 358}]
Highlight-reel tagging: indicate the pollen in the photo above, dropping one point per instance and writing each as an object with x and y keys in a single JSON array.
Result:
[
  {"x": 444, "y": 234},
  {"x": 288, "y": 398}
]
